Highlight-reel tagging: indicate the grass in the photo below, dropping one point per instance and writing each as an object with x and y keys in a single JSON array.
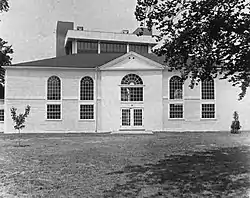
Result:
[{"x": 161, "y": 165}]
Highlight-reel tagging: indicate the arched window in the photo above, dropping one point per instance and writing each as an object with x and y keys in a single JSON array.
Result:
[
  {"x": 207, "y": 89},
  {"x": 175, "y": 87},
  {"x": 132, "y": 88},
  {"x": 87, "y": 88},
  {"x": 131, "y": 79},
  {"x": 54, "y": 88}
]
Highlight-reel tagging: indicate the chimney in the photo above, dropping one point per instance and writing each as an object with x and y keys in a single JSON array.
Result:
[{"x": 61, "y": 30}]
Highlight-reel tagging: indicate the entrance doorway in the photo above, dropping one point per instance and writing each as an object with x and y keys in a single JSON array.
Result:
[{"x": 131, "y": 118}]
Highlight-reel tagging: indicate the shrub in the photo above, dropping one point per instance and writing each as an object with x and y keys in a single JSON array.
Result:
[{"x": 235, "y": 126}]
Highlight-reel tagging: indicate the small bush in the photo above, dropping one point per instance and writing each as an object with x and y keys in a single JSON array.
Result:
[
  {"x": 19, "y": 120},
  {"x": 235, "y": 126}
]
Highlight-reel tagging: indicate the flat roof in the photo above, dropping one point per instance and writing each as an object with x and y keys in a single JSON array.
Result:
[{"x": 108, "y": 36}]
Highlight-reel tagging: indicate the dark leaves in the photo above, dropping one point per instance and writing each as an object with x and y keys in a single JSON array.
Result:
[{"x": 202, "y": 39}]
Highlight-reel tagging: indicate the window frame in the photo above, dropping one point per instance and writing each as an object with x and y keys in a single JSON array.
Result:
[
  {"x": 183, "y": 111},
  {"x": 215, "y": 110},
  {"x": 214, "y": 92},
  {"x": 53, "y": 102},
  {"x": 128, "y": 85},
  {"x": 177, "y": 100},
  {"x": 169, "y": 89},
  {"x": 47, "y": 88},
  {"x": 2, "y": 115},
  {"x": 79, "y": 91},
  {"x": 46, "y": 107},
  {"x": 79, "y": 111}
]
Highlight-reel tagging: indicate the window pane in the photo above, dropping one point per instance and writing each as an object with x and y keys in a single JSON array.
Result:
[
  {"x": 86, "y": 112},
  {"x": 131, "y": 93},
  {"x": 113, "y": 48},
  {"x": 87, "y": 88},
  {"x": 207, "y": 89},
  {"x": 137, "y": 117},
  {"x": 53, "y": 111},
  {"x": 54, "y": 88},
  {"x": 139, "y": 48},
  {"x": 131, "y": 79},
  {"x": 1, "y": 115},
  {"x": 208, "y": 111},
  {"x": 176, "y": 111},
  {"x": 175, "y": 88},
  {"x": 87, "y": 47},
  {"x": 125, "y": 117}
]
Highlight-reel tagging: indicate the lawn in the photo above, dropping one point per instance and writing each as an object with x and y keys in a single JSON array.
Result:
[{"x": 160, "y": 165}]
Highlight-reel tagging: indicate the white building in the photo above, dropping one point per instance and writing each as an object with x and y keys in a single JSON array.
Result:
[{"x": 111, "y": 82}]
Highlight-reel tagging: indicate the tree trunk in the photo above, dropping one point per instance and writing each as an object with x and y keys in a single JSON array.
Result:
[{"x": 19, "y": 137}]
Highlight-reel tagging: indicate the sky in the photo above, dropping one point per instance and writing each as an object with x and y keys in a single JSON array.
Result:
[{"x": 29, "y": 26}]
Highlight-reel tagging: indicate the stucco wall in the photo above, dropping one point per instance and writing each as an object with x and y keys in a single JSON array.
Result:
[
  {"x": 111, "y": 103},
  {"x": 28, "y": 86},
  {"x": 226, "y": 101}
]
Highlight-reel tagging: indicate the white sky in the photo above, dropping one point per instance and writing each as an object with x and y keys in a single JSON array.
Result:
[{"x": 29, "y": 26}]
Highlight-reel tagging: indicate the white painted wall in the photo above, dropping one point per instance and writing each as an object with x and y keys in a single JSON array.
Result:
[
  {"x": 28, "y": 87},
  {"x": 111, "y": 103},
  {"x": 226, "y": 103}
]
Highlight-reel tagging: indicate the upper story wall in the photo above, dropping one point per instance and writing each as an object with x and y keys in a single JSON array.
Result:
[
  {"x": 70, "y": 41},
  {"x": 32, "y": 83}
]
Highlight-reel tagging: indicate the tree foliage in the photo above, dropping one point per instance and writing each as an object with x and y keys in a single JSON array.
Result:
[
  {"x": 202, "y": 38},
  {"x": 5, "y": 49},
  {"x": 4, "y": 6}
]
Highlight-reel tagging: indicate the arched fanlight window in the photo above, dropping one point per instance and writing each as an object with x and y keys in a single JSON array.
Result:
[
  {"x": 54, "y": 88},
  {"x": 176, "y": 87},
  {"x": 87, "y": 88},
  {"x": 131, "y": 79},
  {"x": 207, "y": 89},
  {"x": 132, "y": 88}
]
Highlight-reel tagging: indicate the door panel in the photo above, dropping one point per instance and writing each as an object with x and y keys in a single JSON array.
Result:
[
  {"x": 137, "y": 117},
  {"x": 126, "y": 117},
  {"x": 131, "y": 118}
]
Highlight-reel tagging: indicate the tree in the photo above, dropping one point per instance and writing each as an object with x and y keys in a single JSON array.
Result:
[
  {"x": 5, "y": 49},
  {"x": 202, "y": 38},
  {"x": 19, "y": 120}
]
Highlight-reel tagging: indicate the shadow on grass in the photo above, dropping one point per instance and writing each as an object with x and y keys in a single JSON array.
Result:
[
  {"x": 22, "y": 145},
  {"x": 214, "y": 173}
]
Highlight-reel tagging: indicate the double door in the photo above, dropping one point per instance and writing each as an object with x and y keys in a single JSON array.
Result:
[{"x": 132, "y": 118}]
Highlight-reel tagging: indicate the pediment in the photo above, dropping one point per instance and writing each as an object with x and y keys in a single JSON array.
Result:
[{"x": 132, "y": 61}]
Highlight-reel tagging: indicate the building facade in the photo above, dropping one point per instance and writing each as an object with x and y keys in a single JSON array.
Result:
[{"x": 111, "y": 82}]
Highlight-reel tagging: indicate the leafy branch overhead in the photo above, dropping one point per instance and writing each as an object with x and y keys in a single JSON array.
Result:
[
  {"x": 202, "y": 39},
  {"x": 5, "y": 49}
]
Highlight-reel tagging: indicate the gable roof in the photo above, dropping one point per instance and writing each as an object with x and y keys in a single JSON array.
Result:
[{"x": 83, "y": 60}]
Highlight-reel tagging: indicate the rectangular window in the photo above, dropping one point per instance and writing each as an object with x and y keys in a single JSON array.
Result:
[
  {"x": 208, "y": 111},
  {"x": 207, "y": 90},
  {"x": 126, "y": 117},
  {"x": 87, "y": 47},
  {"x": 1, "y": 115},
  {"x": 139, "y": 48},
  {"x": 113, "y": 48},
  {"x": 137, "y": 117},
  {"x": 132, "y": 94},
  {"x": 87, "y": 112},
  {"x": 53, "y": 111},
  {"x": 176, "y": 110}
]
